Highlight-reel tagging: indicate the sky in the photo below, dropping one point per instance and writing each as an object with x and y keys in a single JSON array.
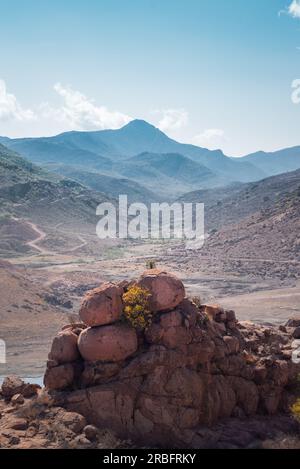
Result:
[{"x": 216, "y": 73}]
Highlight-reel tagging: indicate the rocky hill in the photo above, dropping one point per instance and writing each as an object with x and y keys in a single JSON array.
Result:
[
  {"x": 151, "y": 366},
  {"x": 228, "y": 205},
  {"x": 270, "y": 235},
  {"x": 26, "y": 320},
  {"x": 264, "y": 244},
  {"x": 31, "y": 196}
]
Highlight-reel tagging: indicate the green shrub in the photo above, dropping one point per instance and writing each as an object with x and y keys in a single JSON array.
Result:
[{"x": 151, "y": 265}]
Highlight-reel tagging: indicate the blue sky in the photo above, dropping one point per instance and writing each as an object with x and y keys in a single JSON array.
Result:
[{"x": 217, "y": 73}]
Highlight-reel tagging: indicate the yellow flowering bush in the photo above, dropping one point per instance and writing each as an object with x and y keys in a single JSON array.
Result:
[
  {"x": 136, "y": 307},
  {"x": 296, "y": 409}
]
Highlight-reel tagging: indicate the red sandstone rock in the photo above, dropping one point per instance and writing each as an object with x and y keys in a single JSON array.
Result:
[
  {"x": 215, "y": 313},
  {"x": 169, "y": 331},
  {"x": 108, "y": 343},
  {"x": 166, "y": 289},
  {"x": 74, "y": 326},
  {"x": 91, "y": 432},
  {"x": 30, "y": 390},
  {"x": 19, "y": 424},
  {"x": 17, "y": 399},
  {"x": 12, "y": 385},
  {"x": 246, "y": 393},
  {"x": 230, "y": 316},
  {"x": 59, "y": 377},
  {"x": 232, "y": 343},
  {"x": 293, "y": 322},
  {"x": 72, "y": 420},
  {"x": 102, "y": 305},
  {"x": 296, "y": 333},
  {"x": 64, "y": 347},
  {"x": 187, "y": 372},
  {"x": 175, "y": 337}
]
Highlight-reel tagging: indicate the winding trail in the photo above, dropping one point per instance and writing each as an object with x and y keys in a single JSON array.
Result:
[
  {"x": 83, "y": 243},
  {"x": 41, "y": 235}
]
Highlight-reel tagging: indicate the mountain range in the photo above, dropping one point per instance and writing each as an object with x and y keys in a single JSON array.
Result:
[
  {"x": 54, "y": 201},
  {"x": 141, "y": 155}
]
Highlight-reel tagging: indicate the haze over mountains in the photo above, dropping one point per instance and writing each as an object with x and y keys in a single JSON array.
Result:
[
  {"x": 60, "y": 180},
  {"x": 141, "y": 154}
]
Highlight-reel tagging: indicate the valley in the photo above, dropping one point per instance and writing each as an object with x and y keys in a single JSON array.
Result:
[
  {"x": 51, "y": 256},
  {"x": 62, "y": 279}
]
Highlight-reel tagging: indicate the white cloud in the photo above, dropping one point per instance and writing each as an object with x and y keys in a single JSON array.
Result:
[
  {"x": 294, "y": 9},
  {"x": 80, "y": 113},
  {"x": 10, "y": 109},
  {"x": 210, "y": 138},
  {"x": 172, "y": 119}
]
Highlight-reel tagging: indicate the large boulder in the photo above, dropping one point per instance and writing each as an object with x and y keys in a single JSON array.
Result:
[
  {"x": 64, "y": 347},
  {"x": 108, "y": 343},
  {"x": 193, "y": 366},
  {"x": 167, "y": 290},
  {"x": 293, "y": 322},
  {"x": 296, "y": 333},
  {"x": 102, "y": 305},
  {"x": 12, "y": 385},
  {"x": 72, "y": 420},
  {"x": 59, "y": 377}
]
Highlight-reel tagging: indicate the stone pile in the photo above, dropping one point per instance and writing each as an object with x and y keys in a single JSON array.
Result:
[{"x": 191, "y": 368}]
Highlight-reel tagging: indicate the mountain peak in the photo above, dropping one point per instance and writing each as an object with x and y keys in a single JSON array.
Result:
[{"x": 140, "y": 125}]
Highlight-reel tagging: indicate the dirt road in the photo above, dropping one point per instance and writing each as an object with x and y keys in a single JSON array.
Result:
[{"x": 41, "y": 235}]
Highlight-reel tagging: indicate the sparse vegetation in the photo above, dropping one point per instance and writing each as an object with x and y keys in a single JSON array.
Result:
[
  {"x": 4, "y": 216},
  {"x": 197, "y": 301},
  {"x": 115, "y": 252},
  {"x": 296, "y": 409},
  {"x": 151, "y": 264},
  {"x": 137, "y": 310}
]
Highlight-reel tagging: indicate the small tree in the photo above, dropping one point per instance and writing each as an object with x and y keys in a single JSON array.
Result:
[{"x": 151, "y": 264}]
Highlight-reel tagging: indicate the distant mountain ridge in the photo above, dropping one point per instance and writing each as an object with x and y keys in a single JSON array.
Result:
[
  {"x": 32, "y": 193},
  {"x": 276, "y": 162},
  {"x": 226, "y": 206},
  {"x": 142, "y": 153}
]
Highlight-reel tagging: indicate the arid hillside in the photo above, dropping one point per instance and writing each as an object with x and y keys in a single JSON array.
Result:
[
  {"x": 26, "y": 319},
  {"x": 40, "y": 211},
  {"x": 230, "y": 204}
]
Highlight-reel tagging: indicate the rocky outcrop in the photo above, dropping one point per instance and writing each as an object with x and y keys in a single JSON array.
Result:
[
  {"x": 112, "y": 343},
  {"x": 193, "y": 367},
  {"x": 64, "y": 347},
  {"x": 35, "y": 422},
  {"x": 167, "y": 290},
  {"x": 14, "y": 386},
  {"x": 102, "y": 305}
]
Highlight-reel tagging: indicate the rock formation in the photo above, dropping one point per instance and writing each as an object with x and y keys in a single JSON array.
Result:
[{"x": 167, "y": 385}]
